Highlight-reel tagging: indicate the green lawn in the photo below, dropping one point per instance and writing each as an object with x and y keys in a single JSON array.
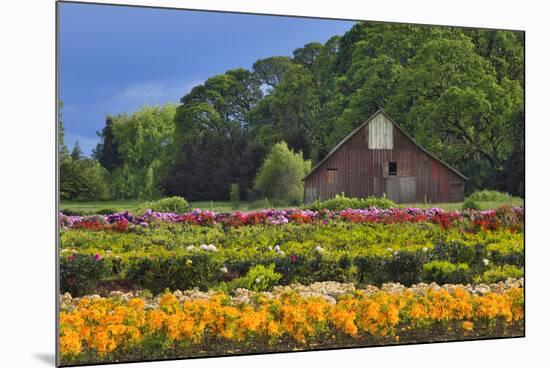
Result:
[{"x": 221, "y": 206}]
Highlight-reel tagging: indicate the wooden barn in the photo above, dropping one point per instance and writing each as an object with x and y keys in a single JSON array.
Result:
[{"x": 379, "y": 157}]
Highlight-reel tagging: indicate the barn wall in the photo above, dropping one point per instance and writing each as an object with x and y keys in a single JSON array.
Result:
[{"x": 358, "y": 171}]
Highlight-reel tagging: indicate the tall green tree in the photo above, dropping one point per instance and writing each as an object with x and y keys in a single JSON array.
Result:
[
  {"x": 76, "y": 153},
  {"x": 270, "y": 71},
  {"x": 106, "y": 151},
  {"x": 62, "y": 147},
  {"x": 83, "y": 180},
  {"x": 145, "y": 145},
  {"x": 213, "y": 139},
  {"x": 290, "y": 112}
]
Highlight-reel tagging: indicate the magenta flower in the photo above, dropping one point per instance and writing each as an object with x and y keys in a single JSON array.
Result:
[
  {"x": 97, "y": 257},
  {"x": 293, "y": 258}
]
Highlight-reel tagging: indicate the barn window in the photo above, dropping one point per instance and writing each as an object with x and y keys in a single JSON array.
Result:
[
  {"x": 392, "y": 168},
  {"x": 332, "y": 169}
]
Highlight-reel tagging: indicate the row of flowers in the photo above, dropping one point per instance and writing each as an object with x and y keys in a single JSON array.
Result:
[
  {"x": 110, "y": 326},
  {"x": 510, "y": 217}
]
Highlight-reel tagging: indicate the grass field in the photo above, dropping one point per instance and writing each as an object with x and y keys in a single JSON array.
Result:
[{"x": 221, "y": 206}]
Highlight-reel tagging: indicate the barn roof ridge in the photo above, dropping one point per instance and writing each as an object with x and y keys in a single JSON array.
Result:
[{"x": 356, "y": 130}]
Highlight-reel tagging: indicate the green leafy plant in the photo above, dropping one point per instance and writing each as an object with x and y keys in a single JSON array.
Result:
[
  {"x": 258, "y": 278},
  {"x": 470, "y": 204},
  {"x": 445, "y": 272},
  {"x": 82, "y": 274},
  {"x": 169, "y": 204},
  {"x": 489, "y": 196},
  {"x": 499, "y": 273}
]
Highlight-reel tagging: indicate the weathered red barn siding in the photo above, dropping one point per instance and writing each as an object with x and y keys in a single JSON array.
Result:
[{"x": 360, "y": 171}]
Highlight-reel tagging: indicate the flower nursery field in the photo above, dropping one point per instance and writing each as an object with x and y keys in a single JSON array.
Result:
[{"x": 165, "y": 285}]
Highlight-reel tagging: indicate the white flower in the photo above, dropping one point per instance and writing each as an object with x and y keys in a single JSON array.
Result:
[
  {"x": 191, "y": 247},
  {"x": 424, "y": 249},
  {"x": 389, "y": 249},
  {"x": 204, "y": 247},
  {"x": 282, "y": 253},
  {"x": 486, "y": 262},
  {"x": 258, "y": 280},
  {"x": 395, "y": 253},
  {"x": 212, "y": 247},
  {"x": 223, "y": 269},
  {"x": 319, "y": 249},
  {"x": 277, "y": 248}
]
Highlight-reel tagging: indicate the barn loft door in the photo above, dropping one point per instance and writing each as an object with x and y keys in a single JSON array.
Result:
[{"x": 380, "y": 133}]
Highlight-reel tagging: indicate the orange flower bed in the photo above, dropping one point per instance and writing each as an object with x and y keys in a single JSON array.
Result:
[{"x": 104, "y": 326}]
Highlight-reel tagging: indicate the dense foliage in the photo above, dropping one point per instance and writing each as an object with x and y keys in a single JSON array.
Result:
[
  {"x": 137, "y": 149},
  {"x": 458, "y": 92},
  {"x": 82, "y": 180}
]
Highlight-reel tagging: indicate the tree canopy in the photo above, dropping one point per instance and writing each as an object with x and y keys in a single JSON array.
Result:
[{"x": 458, "y": 92}]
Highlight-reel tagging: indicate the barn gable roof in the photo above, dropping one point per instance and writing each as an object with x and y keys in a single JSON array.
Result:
[{"x": 337, "y": 147}]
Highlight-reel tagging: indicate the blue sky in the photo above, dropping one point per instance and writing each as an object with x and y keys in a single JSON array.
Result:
[{"x": 115, "y": 59}]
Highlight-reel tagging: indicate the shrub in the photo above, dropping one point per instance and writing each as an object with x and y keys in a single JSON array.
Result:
[
  {"x": 76, "y": 212},
  {"x": 341, "y": 202},
  {"x": 169, "y": 204},
  {"x": 182, "y": 272},
  {"x": 258, "y": 278},
  {"x": 82, "y": 274},
  {"x": 499, "y": 273},
  {"x": 489, "y": 196},
  {"x": 108, "y": 211},
  {"x": 470, "y": 204},
  {"x": 444, "y": 272}
]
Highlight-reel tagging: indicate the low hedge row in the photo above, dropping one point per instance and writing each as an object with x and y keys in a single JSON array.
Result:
[
  {"x": 169, "y": 256},
  {"x": 204, "y": 271}
]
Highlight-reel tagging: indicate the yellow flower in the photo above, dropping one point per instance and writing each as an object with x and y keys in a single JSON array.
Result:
[{"x": 467, "y": 326}]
